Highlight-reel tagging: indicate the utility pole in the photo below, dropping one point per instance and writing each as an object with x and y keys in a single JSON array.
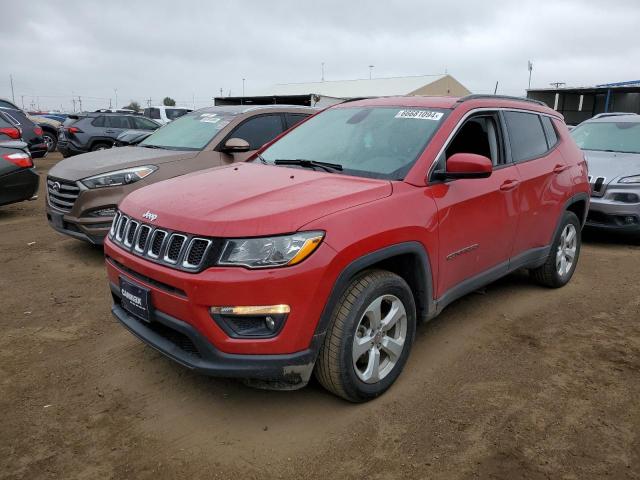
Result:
[
  {"x": 73, "y": 99},
  {"x": 495, "y": 90},
  {"x": 243, "y": 87},
  {"x": 80, "y": 102},
  {"x": 530, "y": 67},
  {"x": 149, "y": 102},
  {"x": 116, "y": 92},
  {"x": 557, "y": 84},
  {"x": 22, "y": 98},
  {"x": 322, "y": 78},
  {"x": 370, "y": 70},
  {"x": 12, "y": 95}
]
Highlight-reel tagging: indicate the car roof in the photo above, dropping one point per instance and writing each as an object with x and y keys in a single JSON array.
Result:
[
  {"x": 617, "y": 118},
  {"x": 477, "y": 101},
  {"x": 240, "y": 109}
]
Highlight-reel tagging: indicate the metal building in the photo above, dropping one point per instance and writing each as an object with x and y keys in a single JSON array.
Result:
[
  {"x": 321, "y": 94},
  {"x": 581, "y": 103}
]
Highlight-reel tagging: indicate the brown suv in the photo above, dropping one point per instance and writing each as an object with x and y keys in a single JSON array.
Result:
[{"x": 84, "y": 191}]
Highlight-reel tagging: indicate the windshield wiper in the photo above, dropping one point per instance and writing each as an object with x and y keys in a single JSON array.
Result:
[
  {"x": 151, "y": 146},
  {"x": 310, "y": 164}
]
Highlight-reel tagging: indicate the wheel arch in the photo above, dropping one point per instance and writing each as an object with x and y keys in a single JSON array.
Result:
[
  {"x": 579, "y": 204},
  {"x": 408, "y": 260},
  {"x": 96, "y": 140}
]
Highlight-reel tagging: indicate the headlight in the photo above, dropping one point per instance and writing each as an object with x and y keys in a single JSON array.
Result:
[
  {"x": 632, "y": 179},
  {"x": 119, "y": 177},
  {"x": 270, "y": 251}
]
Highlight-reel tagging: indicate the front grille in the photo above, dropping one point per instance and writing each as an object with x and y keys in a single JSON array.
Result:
[
  {"x": 173, "y": 249},
  {"x": 62, "y": 194}
]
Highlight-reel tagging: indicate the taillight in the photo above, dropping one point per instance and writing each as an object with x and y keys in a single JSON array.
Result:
[
  {"x": 19, "y": 159},
  {"x": 10, "y": 132},
  {"x": 74, "y": 130},
  {"x": 38, "y": 131}
]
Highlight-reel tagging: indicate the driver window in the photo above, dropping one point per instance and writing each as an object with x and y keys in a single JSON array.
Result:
[{"x": 478, "y": 135}]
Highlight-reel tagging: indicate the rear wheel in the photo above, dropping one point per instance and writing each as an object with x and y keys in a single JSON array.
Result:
[
  {"x": 369, "y": 337},
  {"x": 100, "y": 146},
  {"x": 50, "y": 140},
  {"x": 563, "y": 257}
]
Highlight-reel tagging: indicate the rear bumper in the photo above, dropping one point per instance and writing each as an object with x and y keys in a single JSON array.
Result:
[
  {"x": 18, "y": 186},
  {"x": 184, "y": 344}
]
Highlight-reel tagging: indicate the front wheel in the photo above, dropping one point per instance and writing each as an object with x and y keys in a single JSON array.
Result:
[
  {"x": 563, "y": 257},
  {"x": 369, "y": 337}
]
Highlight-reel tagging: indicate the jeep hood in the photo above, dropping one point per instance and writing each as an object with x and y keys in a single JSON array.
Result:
[
  {"x": 612, "y": 165},
  {"x": 246, "y": 199},
  {"x": 103, "y": 161}
]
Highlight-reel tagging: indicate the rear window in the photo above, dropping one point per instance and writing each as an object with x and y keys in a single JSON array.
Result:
[
  {"x": 152, "y": 113},
  {"x": 98, "y": 121},
  {"x": 173, "y": 113},
  {"x": 526, "y": 135}
]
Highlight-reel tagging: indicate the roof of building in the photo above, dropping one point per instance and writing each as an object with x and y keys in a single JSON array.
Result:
[{"x": 375, "y": 87}]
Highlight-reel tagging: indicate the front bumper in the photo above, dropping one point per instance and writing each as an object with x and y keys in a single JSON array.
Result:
[
  {"x": 609, "y": 214},
  {"x": 89, "y": 229},
  {"x": 184, "y": 344}
]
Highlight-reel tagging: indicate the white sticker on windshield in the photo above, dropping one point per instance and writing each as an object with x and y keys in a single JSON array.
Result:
[
  {"x": 209, "y": 119},
  {"x": 419, "y": 114}
]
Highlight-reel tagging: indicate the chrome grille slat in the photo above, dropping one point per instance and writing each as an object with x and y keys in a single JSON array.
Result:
[
  {"x": 64, "y": 196},
  {"x": 177, "y": 250}
]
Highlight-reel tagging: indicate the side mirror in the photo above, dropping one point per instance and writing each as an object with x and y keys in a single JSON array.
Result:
[
  {"x": 468, "y": 165},
  {"x": 236, "y": 145}
]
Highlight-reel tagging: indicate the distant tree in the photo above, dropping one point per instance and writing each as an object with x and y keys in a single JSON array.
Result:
[
  {"x": 133, "y": 105},
  {"x": 169, "y": 102}
]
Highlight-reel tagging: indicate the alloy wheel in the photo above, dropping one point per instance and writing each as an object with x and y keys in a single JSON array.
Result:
[{"x": 566, "y": 252}]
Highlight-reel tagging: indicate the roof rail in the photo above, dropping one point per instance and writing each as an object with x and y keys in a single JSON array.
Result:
[{"x": 478, "y": 96}]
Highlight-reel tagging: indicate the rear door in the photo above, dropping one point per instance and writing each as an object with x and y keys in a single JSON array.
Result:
[
  {"x": 478, "y": 218},
  {"x": 116, "y": 124},
  {"x": 543, "y": 175}
]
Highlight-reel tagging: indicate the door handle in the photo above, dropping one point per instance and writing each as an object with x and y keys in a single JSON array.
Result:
[
  {"x": 559, "y": 168},
  {"x": 109, "y": 131},
  {"x": 509, "y": 185}
]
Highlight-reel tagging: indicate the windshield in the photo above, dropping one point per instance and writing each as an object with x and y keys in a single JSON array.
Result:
[
  {"x": 189, "y": 132},
  {"x": 608, "y": 136},
  {"x": 376, "y": 142}
]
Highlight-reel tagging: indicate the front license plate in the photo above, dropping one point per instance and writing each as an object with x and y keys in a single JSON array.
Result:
[
  {"x": 135, "y": 299},
  {"x": 56, "y": 220}
]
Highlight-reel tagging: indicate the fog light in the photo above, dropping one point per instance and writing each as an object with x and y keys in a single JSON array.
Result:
[
  {"x": 629, "y": 219},
  {"x": 251, "y": 321},
  {"x": 103, "y": 212}
]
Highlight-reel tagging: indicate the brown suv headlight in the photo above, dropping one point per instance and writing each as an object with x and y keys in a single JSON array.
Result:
[
  {"x": 266, "y": 252},
  {"x": 119, "y": 177}
]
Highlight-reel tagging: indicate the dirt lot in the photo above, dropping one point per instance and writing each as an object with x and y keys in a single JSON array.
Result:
[{"x": 515, "y": 382}]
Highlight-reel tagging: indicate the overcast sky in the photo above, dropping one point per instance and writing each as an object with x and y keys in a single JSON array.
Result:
[{"x": 191, "y": 49}]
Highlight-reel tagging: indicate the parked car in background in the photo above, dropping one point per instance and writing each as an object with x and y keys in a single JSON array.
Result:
[
  {"x": 18, "y": 177},
  {"x": 612, "y": 148},
  {"x": 30, "y": 133},
  {"x": 83, "y": 191},
  {"x": 130, "y": 138},
  {"x": 50, "y": 130},
  {"x": 88, "y": 132},
  {"x": 328, "y": 247},
  {"x": 164, "y": 114}
]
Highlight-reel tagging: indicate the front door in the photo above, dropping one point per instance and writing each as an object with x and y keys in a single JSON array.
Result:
[{"x": 478, "y": 218}]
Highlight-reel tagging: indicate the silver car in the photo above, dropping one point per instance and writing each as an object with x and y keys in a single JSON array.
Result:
[{"x": 612, "y": 149}]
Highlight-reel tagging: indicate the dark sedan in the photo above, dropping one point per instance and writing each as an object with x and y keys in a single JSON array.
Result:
[{"x": 18, "y": 178}]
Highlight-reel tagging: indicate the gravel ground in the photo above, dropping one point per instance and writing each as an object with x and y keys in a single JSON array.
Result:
[{"x": 516, "y": 381}]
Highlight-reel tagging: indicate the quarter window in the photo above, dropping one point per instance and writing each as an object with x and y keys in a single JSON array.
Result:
[
  {"x": 552, "y": 136},
  {"x": 98, "y": 121},
  {"x": 526, "y": 135},
  {"x": 117, "y": 121},
  {"x": 259, "y": 130}
]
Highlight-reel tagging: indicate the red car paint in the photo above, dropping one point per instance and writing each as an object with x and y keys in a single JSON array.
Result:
[{"x": 466, "y": 226}]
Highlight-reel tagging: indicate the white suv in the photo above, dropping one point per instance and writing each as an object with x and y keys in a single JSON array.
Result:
[{"x": 164, "y": 114}]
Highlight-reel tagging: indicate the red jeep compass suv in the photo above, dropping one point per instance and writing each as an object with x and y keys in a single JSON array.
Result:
[{"x": 324, "y": 251}]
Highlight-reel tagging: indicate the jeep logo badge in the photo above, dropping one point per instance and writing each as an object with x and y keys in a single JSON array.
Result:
[{"x": 149, "y": 216}]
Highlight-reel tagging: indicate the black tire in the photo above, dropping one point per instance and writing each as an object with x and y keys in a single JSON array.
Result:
[
  {"x": 548, "y": 274},
  {"x": 51, "y": 140},
  {"x": 335, "y": 367},
  {"x": 101, "y": 146}
]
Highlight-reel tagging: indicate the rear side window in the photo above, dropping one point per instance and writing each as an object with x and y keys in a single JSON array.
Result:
[
  {"x": 295, "y": 118},
  {"x": 259, "y": 130},
  {"x": 526, "y": 135},
  {"x": 99, "y": 121},
  {"x": 4, "y": 122},
  {"x": 142, "y": 123},
  {"x": 549, "y": 129},
  {"x": 117, "y": 121}
]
